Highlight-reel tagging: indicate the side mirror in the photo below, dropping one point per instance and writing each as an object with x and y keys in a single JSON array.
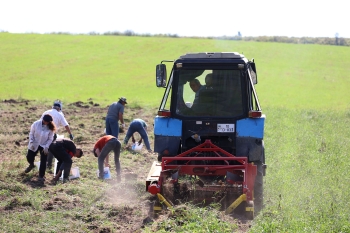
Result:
[{"x": 161, "y": 75}]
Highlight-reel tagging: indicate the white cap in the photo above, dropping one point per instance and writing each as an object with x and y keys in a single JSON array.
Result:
[{"x": 57, "y": 103}]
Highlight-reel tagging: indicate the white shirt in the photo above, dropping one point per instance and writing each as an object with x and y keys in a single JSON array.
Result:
[
  {"x": 58, "y": 118},
  {"x": 40, "y": 135}
]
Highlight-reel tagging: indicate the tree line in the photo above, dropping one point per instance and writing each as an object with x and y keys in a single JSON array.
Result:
[
  {"x": 339, "y": 41},
  {"x": 278, "y": 39}
]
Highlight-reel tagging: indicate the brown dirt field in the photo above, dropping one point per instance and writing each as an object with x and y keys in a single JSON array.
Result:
[{"x": 86, "y": 121}]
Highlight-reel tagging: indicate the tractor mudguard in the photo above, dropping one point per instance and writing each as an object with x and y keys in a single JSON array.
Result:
[
  {"x": 249, "y": 138},
  {"x": 251, "y": 127},
  {"x": 167, "y": 135}
]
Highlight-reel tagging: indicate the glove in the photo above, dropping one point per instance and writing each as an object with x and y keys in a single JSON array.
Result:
[
  {"x": 71, "y": 136},
  {"x": 196, "y": 137},
  {"x": 46, "y": 150},
  {"x": 123, "y": 126}
]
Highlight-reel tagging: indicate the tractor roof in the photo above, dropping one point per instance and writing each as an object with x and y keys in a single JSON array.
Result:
[{"x": 214, "y": 55}]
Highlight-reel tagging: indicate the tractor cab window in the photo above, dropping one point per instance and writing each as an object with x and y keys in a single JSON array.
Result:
[{"x": 209, "y": 93}]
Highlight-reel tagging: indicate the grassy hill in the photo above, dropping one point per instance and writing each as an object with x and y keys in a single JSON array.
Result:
[{"x": 79, "y": 67}]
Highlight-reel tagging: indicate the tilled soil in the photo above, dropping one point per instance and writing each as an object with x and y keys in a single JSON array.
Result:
[{"x": 127, "y": 208}]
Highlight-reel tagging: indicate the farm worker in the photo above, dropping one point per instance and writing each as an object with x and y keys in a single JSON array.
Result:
[
  {"x": 196, "y": 87},
  {"x": 115, "y": 114},
  {"x": 102, "y": 147},
  {"x": 60, "y": 121},
  {"x": 40, "y": 137},
  {"x": 140, "y": 126},
  {"x": 64, "y": 150}
]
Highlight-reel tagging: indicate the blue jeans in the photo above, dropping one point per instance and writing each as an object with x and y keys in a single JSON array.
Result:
[
  {"x": 112, "y": 144},
  {"x": 136, "y": 126},
  {"x": 112, "y": 127}
]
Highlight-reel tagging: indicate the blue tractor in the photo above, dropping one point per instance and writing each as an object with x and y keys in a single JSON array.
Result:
[{"x": 209, "y": 133}]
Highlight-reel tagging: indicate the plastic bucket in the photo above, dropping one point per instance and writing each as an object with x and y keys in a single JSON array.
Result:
[
  {"x": 137, "y": 146},
  {"x": 107, "y": 173},
  {"x": 55, "y": 167},
  {"x": 37, "y": 164},
  {"x": 74, "y": 173}
]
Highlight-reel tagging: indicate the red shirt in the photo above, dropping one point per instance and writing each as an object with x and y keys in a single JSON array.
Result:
[
  {"x": 70, "y": 153},
  {"x": 102, "y": 142}
]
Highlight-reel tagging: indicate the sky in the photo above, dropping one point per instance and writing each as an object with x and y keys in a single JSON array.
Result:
[{"x": 293, "y": 18}]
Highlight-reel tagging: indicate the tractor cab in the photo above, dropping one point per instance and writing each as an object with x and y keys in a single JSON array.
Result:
[{"x": 206, "y": 96}]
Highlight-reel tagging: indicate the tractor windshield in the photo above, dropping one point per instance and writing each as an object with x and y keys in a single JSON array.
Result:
[{"x": 209, "y": 93}]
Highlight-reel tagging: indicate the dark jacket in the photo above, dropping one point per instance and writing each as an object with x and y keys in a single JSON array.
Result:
[{"x": 67, "y": 144}]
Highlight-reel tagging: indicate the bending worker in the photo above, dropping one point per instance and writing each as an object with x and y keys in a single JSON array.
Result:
[
  {"x": 102, "y": 147},
  {"x": 140, "y": 126},
  {"x": 64, "y": 150}
]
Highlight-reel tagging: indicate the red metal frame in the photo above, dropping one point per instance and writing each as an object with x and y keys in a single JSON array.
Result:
[{"x": 248, "y": 170}]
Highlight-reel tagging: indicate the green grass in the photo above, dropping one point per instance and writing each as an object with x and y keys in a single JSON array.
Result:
[
  {"x": 189, "y": 218},
  {"x": 79, "y": 67},
  {"x": 306, "y": 187}
]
